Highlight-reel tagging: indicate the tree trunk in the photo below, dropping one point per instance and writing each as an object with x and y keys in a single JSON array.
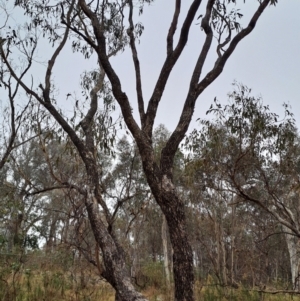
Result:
[
  {"x": 293, "y": 245},
  {"x": 51, "y": 241},
  {"x": 113, "y": 255},
  {"x": 173, "y": 209},
  {"x": 164, "y": 235},
  {"x": 118, "y": 297},
  {"x": 115, "y": 270},
  {"x": 232, "y": 245}
]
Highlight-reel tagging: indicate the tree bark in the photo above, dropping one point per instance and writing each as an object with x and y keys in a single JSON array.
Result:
[
  {"x": 173, "y": 208},
  {"x": 174, "y": 211},
  {"x": 183, "y": 255},
  {"x": 113, "y": 256},
  {"x": 164, "y": 235}
]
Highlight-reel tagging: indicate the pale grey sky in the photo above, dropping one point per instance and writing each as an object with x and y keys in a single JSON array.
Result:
[{"x": 268, "y": 61}]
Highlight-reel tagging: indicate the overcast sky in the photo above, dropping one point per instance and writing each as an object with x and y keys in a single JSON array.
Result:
[{"x": 268, "y": 61}]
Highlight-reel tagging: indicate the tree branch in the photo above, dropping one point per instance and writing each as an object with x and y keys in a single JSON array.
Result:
[
  {"x": 120, "y": 96},
  {"x": 173, "y": 27},
  {"x": 136, "y": 66},
  {"x": 64, "y": 185},
  {"x": 46, "y": 90},
  {"x": 11, "y": 96},
  {"x": 87, "y": 120},
  {"x": 195, "y": 91},
  {"x": 168, "y": 65},
  {"x": 220, "y": 63}
]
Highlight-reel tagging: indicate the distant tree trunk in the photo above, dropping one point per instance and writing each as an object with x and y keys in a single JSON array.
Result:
[
  {"x": 65, "y": 230},
  {"x": 221, "y": 252},
  {"x": 232, "y": 246},
  {"x": 135, "y": 257},
  {"x": 293, "y": 245},
  {"x": 15, "y": 238},
  {"x": 223, "y": 258},
  {"x": 164, "y": 234},
  {"x": 51, "y": 241}
]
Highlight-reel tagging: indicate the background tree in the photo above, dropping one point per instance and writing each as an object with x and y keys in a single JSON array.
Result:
[{"x": 254, "y": 156}]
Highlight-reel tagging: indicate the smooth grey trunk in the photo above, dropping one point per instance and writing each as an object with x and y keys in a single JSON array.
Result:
[
  {"x": 293, "y": 245},
  {"x": 232, "y": 241},
  {"x": 167, "y": 259},
  {"x": 135, "y": 257},
  {"x": 221, "y": 252},
  {"x": 51, "y": 241}
]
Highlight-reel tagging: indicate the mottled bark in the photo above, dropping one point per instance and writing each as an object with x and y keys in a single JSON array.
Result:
[
  {"x": 113, "y": 255},
  {"x": 174, "y": 211},
  {"x": 183, "y": 255}
]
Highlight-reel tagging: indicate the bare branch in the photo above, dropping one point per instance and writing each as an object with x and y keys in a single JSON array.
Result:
[
  {"x": 168, "y": 66},
  {"x": 46, "y": 90},
  {"x": 64, "y": 185},
  {"x": 136, "y": 62},
  {"x": 85, "y": 36},
  {"x": 266, "y": 208},
  {"x": 173, "y": 27},
  {"x": 11, "y": 96},
  {"x": 228, "y": 38},
  {"x": 86, "y": 122},
  {"x": 193, "y": 94},
  {"x": 120, "y": 96},
  {"x": 220, "y": 63}
]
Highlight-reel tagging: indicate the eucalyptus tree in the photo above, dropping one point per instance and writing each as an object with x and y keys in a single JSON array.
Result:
[
  {"x": 255, "y": 155},
  {"x": 103, "y": 29},
  {"x": 235, "y": 242},
  {"x": 20, "y": 211},
  {"x": 13, "y": 116}
]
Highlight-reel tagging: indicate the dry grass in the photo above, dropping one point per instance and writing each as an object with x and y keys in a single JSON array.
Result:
[{"x": 53, "y": 281}]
